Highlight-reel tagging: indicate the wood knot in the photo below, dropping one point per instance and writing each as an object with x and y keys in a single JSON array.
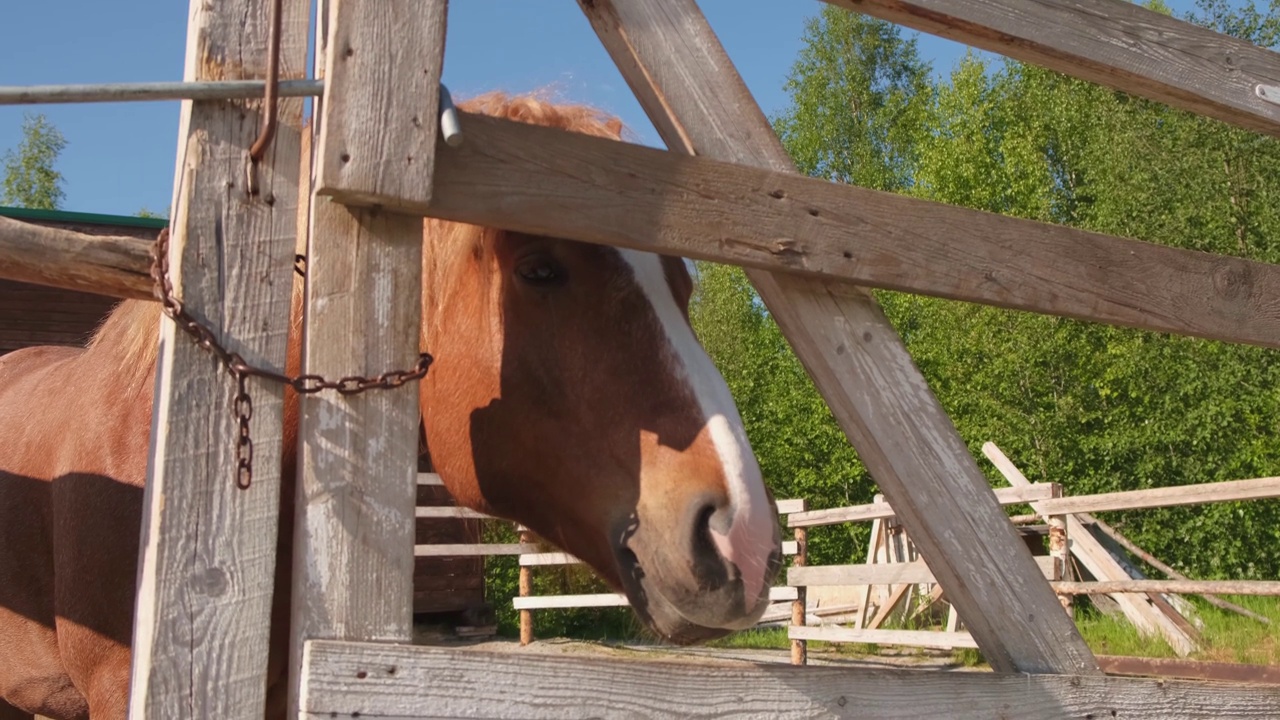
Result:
[
  {"x": 787, "y": 248},
  {"x": 1231, "y": 279}
]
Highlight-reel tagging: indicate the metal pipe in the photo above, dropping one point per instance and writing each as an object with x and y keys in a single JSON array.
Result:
[{"x": 149, "y": 91}]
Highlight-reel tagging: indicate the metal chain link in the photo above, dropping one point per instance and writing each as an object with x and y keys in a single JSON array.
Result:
[{"x": 242, "y": 404}]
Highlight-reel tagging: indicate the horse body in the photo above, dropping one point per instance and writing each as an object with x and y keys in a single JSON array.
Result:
[{"x": 568, "y": 394}]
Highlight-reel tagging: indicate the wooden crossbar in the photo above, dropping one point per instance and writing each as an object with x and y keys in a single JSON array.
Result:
[
  {"x": 344, "y": 679},
  {"x": 873, "y": 511}
]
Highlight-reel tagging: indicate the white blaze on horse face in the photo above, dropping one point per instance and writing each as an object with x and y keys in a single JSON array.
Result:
[{"x": 747, "y": 543}]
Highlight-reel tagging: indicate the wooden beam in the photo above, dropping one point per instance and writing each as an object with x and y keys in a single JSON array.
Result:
[
  {"x": 1189, "y": 669},
  {"x": 544, "y": 602},
  {"x": 1111, "y": 42},
  {"x": 1195, "y": 587},
  {"x": 681, "y": 75},
  {"x": 1197, "y": 494},
  {"x": 912, "y": 638},
  {"x": 353, "y": 549},
  {"x": 102, "y": 264},
  {"x": 208, "y": 552},
  {"x": 550, "y": 182},
  {"x": 891, "y": 573},
  {"x": 346, "y": 679},
  {"x": 450, "y": 511},
  {"x": 473, "y": 550},
  {"x": 1095, "y": 558},
  {"x": 872, "y": 511}
]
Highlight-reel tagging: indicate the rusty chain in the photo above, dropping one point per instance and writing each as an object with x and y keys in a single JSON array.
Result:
[{"x": 240, "y": 370}]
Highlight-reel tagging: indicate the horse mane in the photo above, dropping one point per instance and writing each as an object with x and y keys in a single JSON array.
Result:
[
  {"x": 448, "y": 244},
  {"x": 127, "y": 337}
]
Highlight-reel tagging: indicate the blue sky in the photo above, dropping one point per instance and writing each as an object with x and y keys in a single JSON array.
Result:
[{"x": 119, "y": 157}]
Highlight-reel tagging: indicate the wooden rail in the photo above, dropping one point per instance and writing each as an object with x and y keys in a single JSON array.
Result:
[
  {"x": 102, "y": 264},
  {"x": 873, "y": 511},
  {"x": 345, "y": 679},
  {"x": 1197, "y": 494},
  {"x": 1111, "y": 42},
  {"x": 901, "y": 573}
]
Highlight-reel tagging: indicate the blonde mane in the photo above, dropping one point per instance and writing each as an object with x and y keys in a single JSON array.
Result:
[{"x": 127, "y": 337}]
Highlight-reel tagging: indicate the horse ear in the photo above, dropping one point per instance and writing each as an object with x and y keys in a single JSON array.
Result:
[{"x": 614, "y": 126}]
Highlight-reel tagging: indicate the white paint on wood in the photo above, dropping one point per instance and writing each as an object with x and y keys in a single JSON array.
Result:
[
  {"x": 386, "y": 681},
  {"x": 208, "y": 549},
  {"x": 542, "y": 602}
]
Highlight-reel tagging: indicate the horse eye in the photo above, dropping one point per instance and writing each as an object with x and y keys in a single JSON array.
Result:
[{"x": 540, "y": 270}]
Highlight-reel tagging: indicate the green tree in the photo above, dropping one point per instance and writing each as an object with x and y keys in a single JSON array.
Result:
[{"x": 30, "y": 179}]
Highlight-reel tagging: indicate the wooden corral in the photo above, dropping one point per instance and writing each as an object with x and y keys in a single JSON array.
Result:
[{"x": 725, "y": 191}]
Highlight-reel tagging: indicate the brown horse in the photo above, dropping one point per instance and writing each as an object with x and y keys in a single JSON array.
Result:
[{"x": 569, "y": 394}]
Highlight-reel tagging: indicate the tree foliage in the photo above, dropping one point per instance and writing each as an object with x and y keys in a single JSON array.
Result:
[
  {"x": 30, "y": 179},
  {"x": 1094, "y": 407}
]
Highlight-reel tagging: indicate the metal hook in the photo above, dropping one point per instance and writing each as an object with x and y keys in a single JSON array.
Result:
[
  {"x": 270, "y": 99},
  {"x": 449, "y": 126}
]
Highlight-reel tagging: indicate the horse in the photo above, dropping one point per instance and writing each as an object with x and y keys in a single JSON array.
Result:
[{"x": 569, "y": 393}]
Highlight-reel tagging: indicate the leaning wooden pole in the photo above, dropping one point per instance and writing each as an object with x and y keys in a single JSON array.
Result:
[
  {"x": 103, "y": 264},
  {"x": 688, "y": 86},
  {"x": 208, "y": 547}
]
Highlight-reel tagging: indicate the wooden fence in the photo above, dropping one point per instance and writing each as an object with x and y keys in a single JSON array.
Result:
[{"x": 807, "y": 244}]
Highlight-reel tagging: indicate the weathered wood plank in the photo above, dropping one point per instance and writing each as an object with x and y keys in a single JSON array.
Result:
[
  {"x": 353, "y": 550},
  {"x": 208, "y": 548},
  {"x": 872, "y": 511},
  {"x": 1196, "y": 587},
  {"x": 1189, "y": 669},
  {"x": 912, "y": 638},
  {"x": 689, "y": 88},
  {"x": 429, "y": 479},
  {"x": 102, "y": 264},
  {"x": 891, "y": 573},
  {"x": 348, "y": 678},
  {"x": 791, "y": 505},
  {"x": 546, "y": 181},
  {"x": 544, "y": 602},
  {"x": 1095, "y": 558},
  {"x": 449, "y": 511},
  {"x": 382, "y": 88},
  {"x": 1111, "y": 42},
  {"x": 1197, "y": 494},
  {"x": 473, "y": 550}
]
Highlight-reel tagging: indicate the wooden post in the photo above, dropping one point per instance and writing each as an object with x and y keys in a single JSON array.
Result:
[
  {"x": 208, "y": 548},
  {"x": 526, "y": 589},
  {"x": 1060, "y": 551},
  {"x": 699, "y": 104},
  {"x": 800, "y": 648},
  {"x": 353, "y": 553}
]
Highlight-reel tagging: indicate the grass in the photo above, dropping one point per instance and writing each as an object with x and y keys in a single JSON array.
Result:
[{"x": 1226, "y": 636}]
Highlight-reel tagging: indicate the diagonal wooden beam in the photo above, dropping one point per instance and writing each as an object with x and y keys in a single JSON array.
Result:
[
  {"x": 1111, "y": 42},
  {"x": 675, "y": 65}
]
